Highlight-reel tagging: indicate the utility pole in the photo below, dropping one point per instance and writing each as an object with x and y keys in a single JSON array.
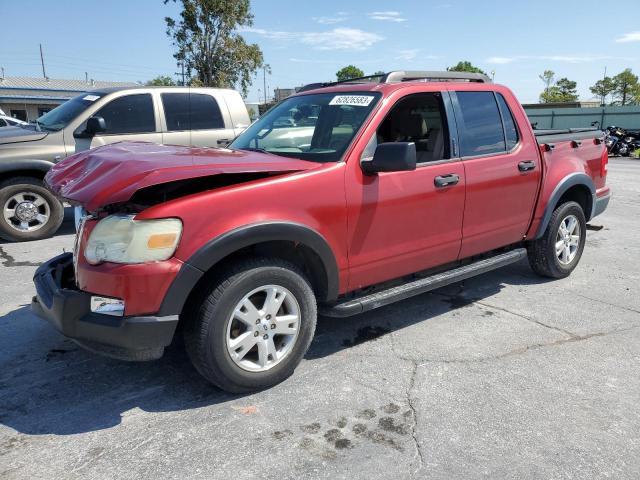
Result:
[
  {"x": 604, "y": 97},
  {"x": 264, "y": 81},
  {"x": 44, "y": 74},
  {"x": 181, "y": 73}
]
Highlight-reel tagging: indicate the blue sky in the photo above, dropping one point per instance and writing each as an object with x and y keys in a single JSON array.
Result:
[{"x": 309, "y": 41}]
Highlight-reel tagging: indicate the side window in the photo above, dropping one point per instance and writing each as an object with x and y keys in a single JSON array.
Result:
[
  {"x": 481, "y": 130},
  {"x": 510, "y": 130},
  {"x": 3, "y": 123},
  {"x": 191, "y": 111},
  {"x": 129, "y": 114},
  {"x": 420, "y": 119}
]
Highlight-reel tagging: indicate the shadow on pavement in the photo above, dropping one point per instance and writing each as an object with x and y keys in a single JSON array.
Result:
[{"x": 49, "y": 385}]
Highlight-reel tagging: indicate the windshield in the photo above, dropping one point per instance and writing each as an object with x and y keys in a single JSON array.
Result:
[
  {"x": 59, "y": 117},
  {"x": 317, "y": 127}
]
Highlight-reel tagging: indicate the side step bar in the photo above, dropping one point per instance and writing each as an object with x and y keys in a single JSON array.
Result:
[{"x": 354, "y": 306}]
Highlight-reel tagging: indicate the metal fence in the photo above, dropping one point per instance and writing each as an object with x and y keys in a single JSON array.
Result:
[{"x": 625, "y": 117}]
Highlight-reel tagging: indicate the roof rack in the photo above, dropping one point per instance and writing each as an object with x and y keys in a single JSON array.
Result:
[{"x": 406, "y": 76}]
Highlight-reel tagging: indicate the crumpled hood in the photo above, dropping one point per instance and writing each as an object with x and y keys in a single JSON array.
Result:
[
  {"x": 113, "y": 173},
  {"x": 19, "y": 134}
]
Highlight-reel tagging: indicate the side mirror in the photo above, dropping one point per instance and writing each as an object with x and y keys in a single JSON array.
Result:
[
  {"x": 391, "y": 157},
  {"x": 94, "y": 126}
]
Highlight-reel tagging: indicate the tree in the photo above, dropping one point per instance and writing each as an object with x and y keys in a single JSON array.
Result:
[
  {"x": 603, "y": 88},
  {"x": 564, "y": 89},
  {"x": 465, "y": 66},
  {"x": 161, "y": 81},
  {"x": 348, "y": 72},
  {"x": 625, "y": 85},
  {"x": 208, "y": 45},
  {"x": 636, "y": 94},
  {"x": 547, "y": 78}
]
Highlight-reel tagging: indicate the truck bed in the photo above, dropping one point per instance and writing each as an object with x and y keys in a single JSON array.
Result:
[{"x": 567, "y": 134}]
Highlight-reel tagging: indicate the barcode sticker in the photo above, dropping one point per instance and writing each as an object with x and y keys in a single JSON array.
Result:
[{"x": 352, "y": 100}]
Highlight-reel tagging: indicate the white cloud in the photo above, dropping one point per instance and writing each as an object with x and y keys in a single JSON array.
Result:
[
  {"x": 629, "y": 37},
  {"x": 501, "y": 60},
  {"x": 549, "y": 58},
  {"x": 341, "y": 39},
  {"x": 272, "y": 34},
  {"x": 388, "y": 16},
  {"x": 336, "y": 39},
  {"x": 409, "y": 54},
  {"x": 337, "y": 18}
]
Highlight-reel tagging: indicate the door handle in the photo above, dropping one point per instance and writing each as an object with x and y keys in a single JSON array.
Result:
[
  {"x": 446, "y": 180},
  {"x": 224, "y": 141},
  {"x": 526, "y": 166}
]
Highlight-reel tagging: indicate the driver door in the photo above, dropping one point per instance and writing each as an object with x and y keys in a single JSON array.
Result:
[
  {"x": 130, "y": 117},
  {"x": 404, "y": 222}
]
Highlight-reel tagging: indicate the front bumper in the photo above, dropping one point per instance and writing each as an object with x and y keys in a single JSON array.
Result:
[{"x": 68, "y": 309}]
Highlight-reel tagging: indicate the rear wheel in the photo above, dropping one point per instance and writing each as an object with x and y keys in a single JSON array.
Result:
[
  {"x": 252, "y": 326},
  {"x": 29, "y": 210},
  {"x": 557, "y": 253}
]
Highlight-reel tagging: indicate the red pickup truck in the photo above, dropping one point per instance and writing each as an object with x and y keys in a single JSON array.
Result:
[{"x": 340, "y": 199}]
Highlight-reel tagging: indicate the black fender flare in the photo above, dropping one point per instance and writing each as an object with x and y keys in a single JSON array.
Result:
[
  {"x": 29, "y": 164},
  {"x": 570, "y": 181},
  {"x": 220, "y": 247}
]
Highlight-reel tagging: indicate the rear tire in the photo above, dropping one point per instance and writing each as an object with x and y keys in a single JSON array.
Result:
[
  {"x": 557, "y": 253},
  {"x": 240, "y": 348},
  {"x": 29, "y": 210}
]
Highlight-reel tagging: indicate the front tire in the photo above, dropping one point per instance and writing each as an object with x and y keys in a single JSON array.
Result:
[
  {"x": 557, "y": 253},
  {"x": 252, "y": 326},
  {"x": 29, "y": 210}
]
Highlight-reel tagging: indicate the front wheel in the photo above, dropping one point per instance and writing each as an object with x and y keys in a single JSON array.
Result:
[
  {"x": 252, "y": 326},
  {"x": 29, "y": 210},
  {"x": 557, "y": 253}
]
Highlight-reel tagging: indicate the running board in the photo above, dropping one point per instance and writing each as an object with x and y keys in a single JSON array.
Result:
[{"x": 354, "y": 306}]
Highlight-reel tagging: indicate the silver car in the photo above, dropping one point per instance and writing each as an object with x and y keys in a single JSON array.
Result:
[{"x": 203, "y": 117}]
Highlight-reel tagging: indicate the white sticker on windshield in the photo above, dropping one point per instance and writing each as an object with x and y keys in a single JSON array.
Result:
[
  {"x": 91, "y": 98},
  {"x": 352, "y": 100}
]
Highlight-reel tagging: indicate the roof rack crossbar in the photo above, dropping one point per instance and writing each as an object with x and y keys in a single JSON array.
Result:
[
  {"x": 409, "y": 76},
  {"x": 406, "y": 76}
]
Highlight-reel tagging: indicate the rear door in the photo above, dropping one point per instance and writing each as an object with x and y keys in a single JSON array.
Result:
[
  {"x": 502, "y": 172},
  {"x": 196, "y": 119}
]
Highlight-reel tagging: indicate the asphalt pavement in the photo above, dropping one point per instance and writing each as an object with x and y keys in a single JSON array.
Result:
[{"x": 506, "y": 375}]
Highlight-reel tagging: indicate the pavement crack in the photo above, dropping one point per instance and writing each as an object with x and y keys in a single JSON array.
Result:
[
  {"x": 414, "y": 413},
  {"x": 606, "y": 303},
  {"x": 529, "y": 319},
  {"x": 9, "y": 261}
]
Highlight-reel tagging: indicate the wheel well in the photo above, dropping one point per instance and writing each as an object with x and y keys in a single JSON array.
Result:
[
  {"x": 39, "y": 174},
  {"x": 304, "y": 257},
  {"x": 581, "y": 195}
]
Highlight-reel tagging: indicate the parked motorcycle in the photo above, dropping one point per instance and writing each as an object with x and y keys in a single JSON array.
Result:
[{"x": 621, "y": 142}]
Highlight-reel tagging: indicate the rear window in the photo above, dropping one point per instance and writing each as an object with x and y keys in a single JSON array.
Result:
[
  {"x": 481, "y": 131},
  {"x": 510, "y": 130},
  {"x": 191, "y": 111}
]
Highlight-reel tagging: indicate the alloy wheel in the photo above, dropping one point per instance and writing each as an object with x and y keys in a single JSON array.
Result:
[
  {"x": 568, "y": 239},
  {"x": 263, "y": 328}
]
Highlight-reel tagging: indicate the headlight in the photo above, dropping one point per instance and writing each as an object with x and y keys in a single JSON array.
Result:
[{"x": 121, "y": 239}]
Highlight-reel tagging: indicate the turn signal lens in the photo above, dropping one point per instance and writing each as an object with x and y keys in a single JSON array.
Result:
[{"x": 162, "y": 240}]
